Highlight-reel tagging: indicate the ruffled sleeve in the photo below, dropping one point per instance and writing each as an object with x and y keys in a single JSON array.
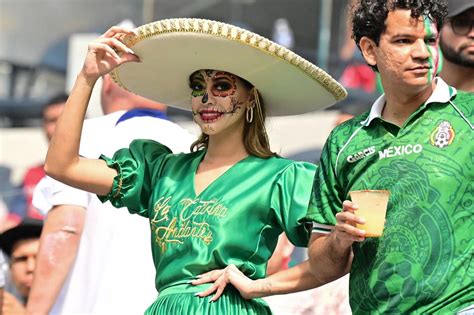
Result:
[
  {"x": 290, "y": 199},
  {"x": 137, "y": 167}
]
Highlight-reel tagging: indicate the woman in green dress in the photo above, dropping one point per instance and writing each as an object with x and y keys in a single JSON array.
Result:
[{"x": 215, "y": 213}]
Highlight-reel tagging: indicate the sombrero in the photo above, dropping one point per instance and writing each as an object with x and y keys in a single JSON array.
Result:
[{"x": 171, "y": 50}]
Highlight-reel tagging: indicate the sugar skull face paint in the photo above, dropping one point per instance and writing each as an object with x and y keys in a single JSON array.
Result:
[
  {"x": 223, "y": 84},
  {"x": 197, "y": 84},
  {"x": 218, "y": 99}
]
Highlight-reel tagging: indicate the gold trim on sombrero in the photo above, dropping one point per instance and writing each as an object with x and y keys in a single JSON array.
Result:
[{"x": 234, "y": 33}]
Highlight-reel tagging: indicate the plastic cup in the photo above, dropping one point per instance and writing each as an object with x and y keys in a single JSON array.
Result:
[{"x": 373, "y": 207}]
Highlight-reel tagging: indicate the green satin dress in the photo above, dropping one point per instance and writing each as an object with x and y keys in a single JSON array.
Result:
[{"x": 236, "y": 220}]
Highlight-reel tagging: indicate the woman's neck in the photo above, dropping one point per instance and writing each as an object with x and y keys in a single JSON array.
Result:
[{"x": 226, "y": 147}]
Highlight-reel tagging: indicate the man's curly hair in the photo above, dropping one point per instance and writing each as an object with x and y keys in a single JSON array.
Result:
[{"x": 368, "y": 16}]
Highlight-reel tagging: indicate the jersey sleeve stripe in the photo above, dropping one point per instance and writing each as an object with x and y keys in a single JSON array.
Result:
[{"x": 322, "y": 228}]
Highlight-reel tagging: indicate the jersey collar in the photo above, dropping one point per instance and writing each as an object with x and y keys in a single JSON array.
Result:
[{"x": 441, "y": 94}]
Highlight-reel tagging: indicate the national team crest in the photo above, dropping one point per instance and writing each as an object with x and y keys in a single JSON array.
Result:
[{"x": 443, "y": 135}]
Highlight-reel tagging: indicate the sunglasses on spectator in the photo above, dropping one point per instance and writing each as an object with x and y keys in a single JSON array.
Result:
[{"x": 462, "y": 25}]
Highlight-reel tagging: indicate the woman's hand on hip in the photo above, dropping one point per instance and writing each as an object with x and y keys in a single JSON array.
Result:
[{"x": 221, "y": 277}]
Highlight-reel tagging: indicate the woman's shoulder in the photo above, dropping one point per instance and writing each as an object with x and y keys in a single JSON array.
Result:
[
  {"x": 283, "y": 164},
  {"x": 153, "y": 148}
]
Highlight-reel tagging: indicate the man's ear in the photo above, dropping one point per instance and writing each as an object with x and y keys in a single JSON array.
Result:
[{"x": 368, "y": 48}]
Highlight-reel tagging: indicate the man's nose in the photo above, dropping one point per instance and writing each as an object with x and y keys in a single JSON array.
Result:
[
  {"x": 31, "y": 263},
  {"x": 420, "y": 50},
  {"x": 470, "y": 34}
]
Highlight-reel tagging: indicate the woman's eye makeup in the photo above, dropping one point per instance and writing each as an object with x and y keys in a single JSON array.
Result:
[
  {"x": 197, "y": 84},
  {"x": 221, "y": 84},
  {"x": 224, "y": 85},
  {"x": 197, "y": 88}
]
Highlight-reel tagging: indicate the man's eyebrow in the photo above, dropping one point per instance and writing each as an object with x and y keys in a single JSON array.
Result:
[
  {"x": 403, "y": 35},
  {"x": 19, "y": 257},
  {"x": 408, "y": 35}
]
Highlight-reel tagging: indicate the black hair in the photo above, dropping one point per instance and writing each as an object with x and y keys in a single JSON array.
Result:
[
  {"x": 368, "y": 16},
  {"x": 56, "y": 99}
]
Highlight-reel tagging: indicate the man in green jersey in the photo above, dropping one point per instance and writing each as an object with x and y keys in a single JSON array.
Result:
[{"x": 416, "y": 142}]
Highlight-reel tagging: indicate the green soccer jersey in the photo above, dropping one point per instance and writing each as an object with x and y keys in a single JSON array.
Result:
[{"x": 423, "y": 261}]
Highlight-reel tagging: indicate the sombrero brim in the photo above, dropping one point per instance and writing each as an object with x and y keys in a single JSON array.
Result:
[{"x": 171, "y": 50}]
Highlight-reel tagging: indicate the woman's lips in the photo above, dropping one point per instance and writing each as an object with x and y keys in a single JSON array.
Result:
[{"x": 208, "y": 116}]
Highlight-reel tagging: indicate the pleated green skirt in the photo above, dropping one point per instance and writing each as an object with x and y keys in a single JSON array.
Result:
[{"x": 181, "y": 300}]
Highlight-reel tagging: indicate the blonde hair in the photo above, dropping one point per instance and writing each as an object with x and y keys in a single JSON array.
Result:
[{"x": 255, "y": 135}]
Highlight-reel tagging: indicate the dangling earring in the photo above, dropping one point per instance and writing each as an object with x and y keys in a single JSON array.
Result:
[
  {"x": 249, "y": 113},
  {"x": 260, "y": 122}
]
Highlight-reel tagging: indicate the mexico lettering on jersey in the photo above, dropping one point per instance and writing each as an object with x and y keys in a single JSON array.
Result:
[
  {"x": 421, "y": 262},
  {"x": 386, "y": 153}
]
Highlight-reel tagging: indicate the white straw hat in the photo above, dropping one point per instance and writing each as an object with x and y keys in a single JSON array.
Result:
[{"x": 171, "y": 50}]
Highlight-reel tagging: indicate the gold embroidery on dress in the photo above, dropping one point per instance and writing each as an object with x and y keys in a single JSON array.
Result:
[
  {"x": 189, "y": 221},
  {"x": 119, "y": 188}
]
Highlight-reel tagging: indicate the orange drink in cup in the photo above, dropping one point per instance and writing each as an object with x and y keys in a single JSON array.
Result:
[{"x": 372, "y": 207}]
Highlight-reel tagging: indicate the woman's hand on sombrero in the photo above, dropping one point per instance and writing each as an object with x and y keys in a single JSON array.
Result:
[
  {"x": 107, "y": 52},
  {"x": 221, "y": 277}
]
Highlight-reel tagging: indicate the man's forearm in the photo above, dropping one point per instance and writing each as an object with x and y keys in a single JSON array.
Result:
[
  {"x": 295, "y": 279},
  {"x": 328, "y": 259},
  {"x": 59, "y": 244}
]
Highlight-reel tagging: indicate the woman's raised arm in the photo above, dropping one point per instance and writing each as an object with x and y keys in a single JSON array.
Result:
[{"x": 62, "y": 161}]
